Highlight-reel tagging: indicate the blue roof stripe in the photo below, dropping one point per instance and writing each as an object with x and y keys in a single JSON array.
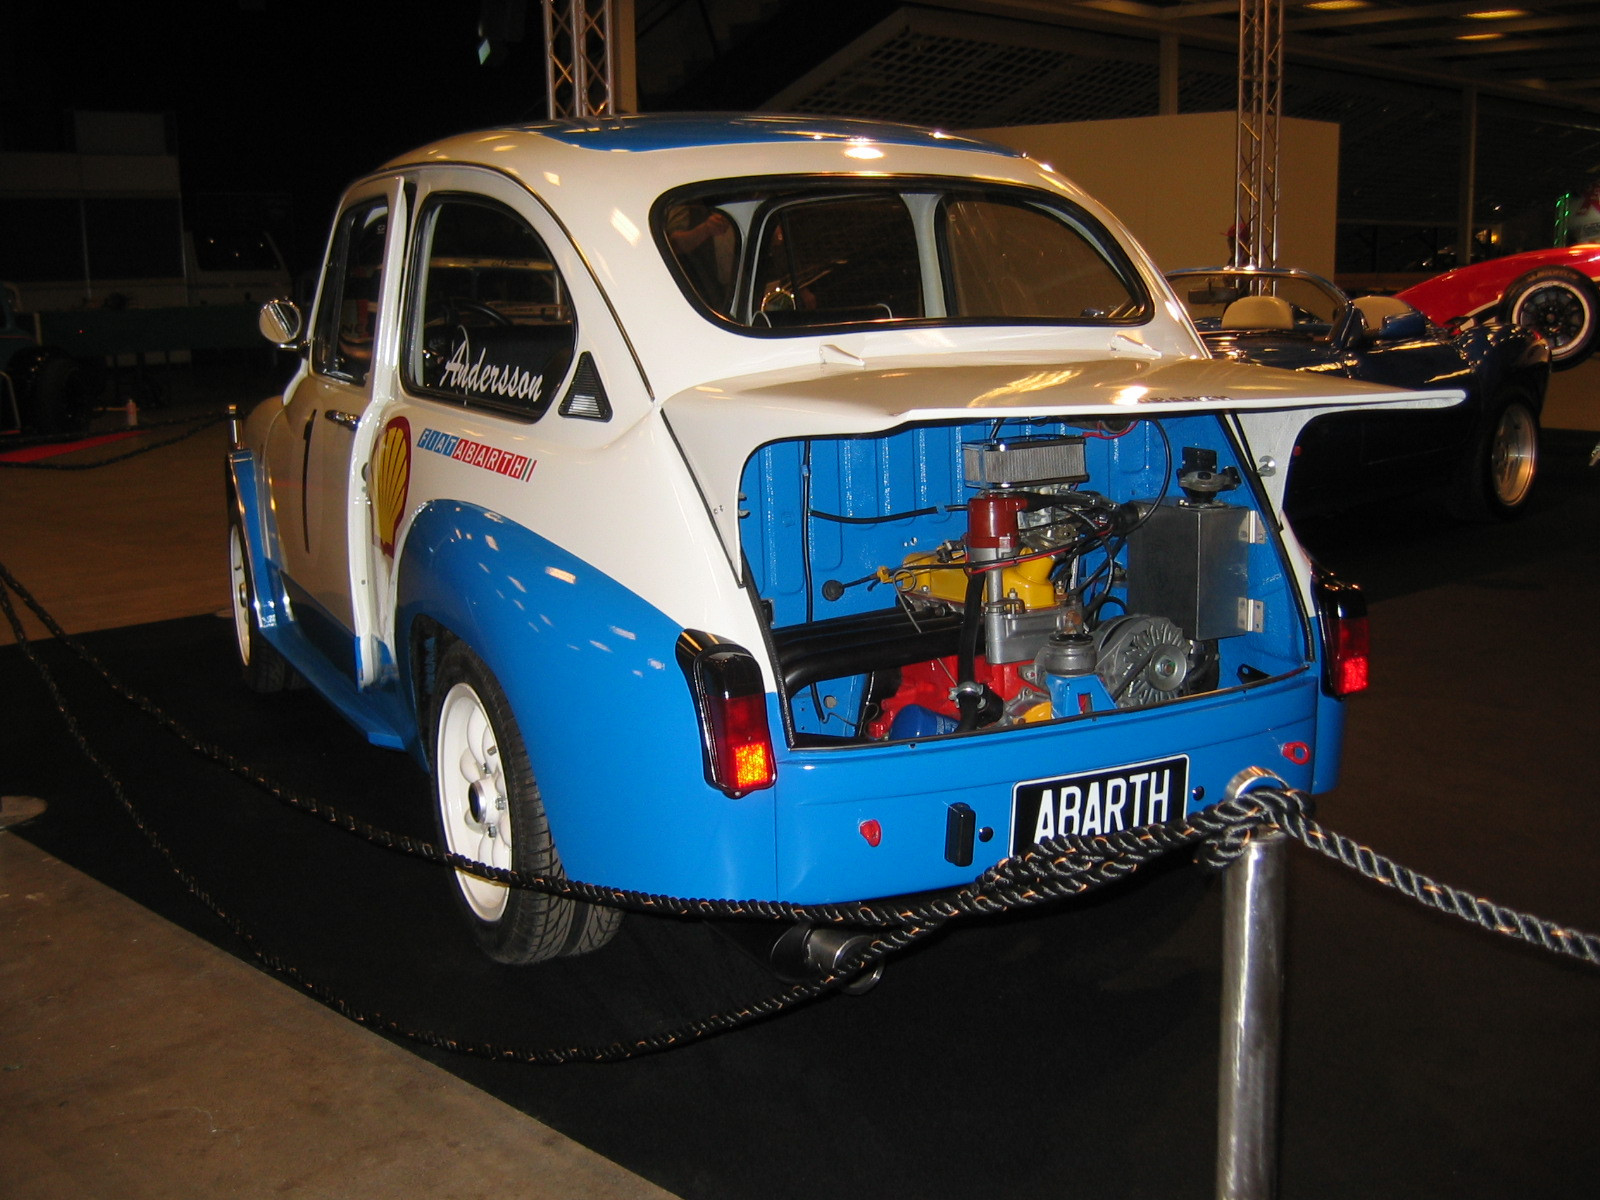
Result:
[{"x": 675, "y": 132}]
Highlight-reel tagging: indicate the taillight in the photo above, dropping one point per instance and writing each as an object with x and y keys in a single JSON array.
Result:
[
  {"x": 730, "y": 700},
  {"x": 1347, "y": 672},
  {"x": 1345, "y": 638}
]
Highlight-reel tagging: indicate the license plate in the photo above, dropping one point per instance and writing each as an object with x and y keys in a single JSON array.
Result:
[{"x": 1095, "y": 802}]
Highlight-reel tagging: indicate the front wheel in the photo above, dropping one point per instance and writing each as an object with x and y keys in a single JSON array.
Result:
[
  {"x": 489, "y": 809},
  {"x": 1502, "y": 464},
  {"x": 1563, "y": 306},
  {"x": 264, "y": 669}
]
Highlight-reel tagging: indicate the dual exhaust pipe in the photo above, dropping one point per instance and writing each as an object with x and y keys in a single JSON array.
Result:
[{"x": 804, "y": 953}]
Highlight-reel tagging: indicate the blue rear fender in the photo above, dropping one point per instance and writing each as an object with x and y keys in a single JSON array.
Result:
[{"x": 602, "y": 705}]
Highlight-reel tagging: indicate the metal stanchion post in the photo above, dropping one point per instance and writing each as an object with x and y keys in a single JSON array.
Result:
[{"x": 1252, "y": 1019}]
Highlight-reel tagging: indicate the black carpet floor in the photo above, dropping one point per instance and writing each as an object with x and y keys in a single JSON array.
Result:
[{"x": 1064, "y": 1053}]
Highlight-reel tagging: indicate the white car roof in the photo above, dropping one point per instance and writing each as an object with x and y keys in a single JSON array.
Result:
[{"x": 601, "y": 178}]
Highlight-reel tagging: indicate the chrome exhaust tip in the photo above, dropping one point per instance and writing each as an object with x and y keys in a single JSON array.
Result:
[{"x": 805, "y": 954}]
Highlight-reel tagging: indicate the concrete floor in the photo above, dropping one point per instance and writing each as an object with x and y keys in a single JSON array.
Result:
[
  {"x": 140, "y": 1061},
  {"x": 137, "y": 1060}
]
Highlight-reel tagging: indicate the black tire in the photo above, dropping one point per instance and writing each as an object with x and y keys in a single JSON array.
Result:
[
  {"x": 1563, "y": 305},
  {"x": 487, "y": 807},
  {"x": 263, "y": 668},
  {"x": 58, "y": 396},
  {"x": 1502, "y": 463}
]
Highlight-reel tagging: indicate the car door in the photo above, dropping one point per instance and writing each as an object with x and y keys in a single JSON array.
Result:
[
  {"x": 507, "y": 358},
  {"x": 316, "y": 446}
]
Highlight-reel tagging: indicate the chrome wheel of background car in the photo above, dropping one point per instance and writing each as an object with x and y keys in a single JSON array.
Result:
[
  {"x": 1563, "y": 306},
  {"x": 1498, "y": 473},
  {"x": 488, "y": 808},
  {"x": 1513, "y": 455},
  {"x": 264, "y": 669}
]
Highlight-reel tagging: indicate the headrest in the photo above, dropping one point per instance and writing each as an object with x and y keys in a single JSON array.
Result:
[{"x": 1258, "y": 312}]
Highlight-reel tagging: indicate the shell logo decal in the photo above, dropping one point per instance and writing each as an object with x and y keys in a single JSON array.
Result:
[{"x": 391, "y": 480}]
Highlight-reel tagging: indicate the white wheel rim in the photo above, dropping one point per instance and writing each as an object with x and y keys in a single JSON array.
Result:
[
  {"x": 1513, "y": 456},
  {"x": 239, "y": 581},
  {"x": 471, "y": 792}
]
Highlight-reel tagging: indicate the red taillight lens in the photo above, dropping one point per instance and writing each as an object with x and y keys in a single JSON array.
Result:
[
  {"x": 1347, "y": 673},
  {"x": 731, "y": 703},
  {"x": 1345, "y": 639},
  {"x": 741, "y": 745}
]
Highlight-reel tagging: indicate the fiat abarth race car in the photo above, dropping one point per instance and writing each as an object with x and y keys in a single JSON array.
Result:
[{"x": 776, "y": 508}]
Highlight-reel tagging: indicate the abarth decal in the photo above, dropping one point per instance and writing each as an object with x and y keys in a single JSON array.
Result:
[
  {"x": 476, "y": 454},
  {"x": 392, "y": 480}
]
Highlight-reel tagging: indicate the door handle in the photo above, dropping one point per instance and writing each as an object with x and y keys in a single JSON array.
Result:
[{"x": 347, "y": 420}]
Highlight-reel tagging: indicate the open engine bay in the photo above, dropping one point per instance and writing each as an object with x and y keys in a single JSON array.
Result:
[{"x": 952, "y": 579}]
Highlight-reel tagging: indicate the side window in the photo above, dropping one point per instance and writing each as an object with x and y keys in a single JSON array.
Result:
[
  {"x": 347, "y": 321},
  {"x": 490, "y": 320}
]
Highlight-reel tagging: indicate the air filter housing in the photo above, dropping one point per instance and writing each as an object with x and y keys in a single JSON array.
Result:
[{"x": 1023, "y": 462}]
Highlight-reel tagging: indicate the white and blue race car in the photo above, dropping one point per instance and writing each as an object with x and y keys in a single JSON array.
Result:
[{"x": 776, "y": 508}]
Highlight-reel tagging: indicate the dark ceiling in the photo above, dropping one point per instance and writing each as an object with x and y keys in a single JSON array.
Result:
[
  {"x": 1548, "y": 47},
  {"x": 1409, "y": 92}
]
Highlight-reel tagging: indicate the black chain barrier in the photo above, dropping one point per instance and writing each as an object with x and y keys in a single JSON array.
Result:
[
  {"x": 143, "y": 448},
  {"x": 1055, "y": 869}
]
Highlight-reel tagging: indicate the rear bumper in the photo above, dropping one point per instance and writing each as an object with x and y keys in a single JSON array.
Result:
[{"x": 902, "y": 793}]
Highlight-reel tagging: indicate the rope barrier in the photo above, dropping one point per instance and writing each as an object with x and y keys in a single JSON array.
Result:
[{"x": 1057, "y": 868}]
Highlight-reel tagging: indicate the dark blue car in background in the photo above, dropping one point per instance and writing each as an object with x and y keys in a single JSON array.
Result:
[{"x": 1481, "y": 456}]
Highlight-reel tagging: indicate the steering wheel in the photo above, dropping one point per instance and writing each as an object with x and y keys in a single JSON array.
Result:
[{"x": 456, "y": 307}]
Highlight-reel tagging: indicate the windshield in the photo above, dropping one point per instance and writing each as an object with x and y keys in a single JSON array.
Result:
[
  {"x": 771, "y": 257},
  {"x": 1229, "y": 300}
]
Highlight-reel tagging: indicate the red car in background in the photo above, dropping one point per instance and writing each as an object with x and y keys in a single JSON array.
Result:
[{"x": 1552, "y": 291}]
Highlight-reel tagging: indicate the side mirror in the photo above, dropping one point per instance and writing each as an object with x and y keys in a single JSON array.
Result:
[{"x": 281, "y": 324}]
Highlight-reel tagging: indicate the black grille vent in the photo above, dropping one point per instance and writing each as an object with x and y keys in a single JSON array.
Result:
[{"x": 586, "y": 398}]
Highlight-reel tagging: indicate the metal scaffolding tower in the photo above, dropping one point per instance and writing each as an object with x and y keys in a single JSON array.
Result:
[
  {"x": 1255, "y": 205},
  {"x": 580, "y": 62}
]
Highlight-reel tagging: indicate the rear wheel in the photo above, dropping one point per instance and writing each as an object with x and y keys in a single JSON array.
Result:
[
  {"x": 264, "y": 669},
  {"x": 1563, "y": 306},
  {"x": 489, "y": 809},
  {"x": 1503, "y": 463}
]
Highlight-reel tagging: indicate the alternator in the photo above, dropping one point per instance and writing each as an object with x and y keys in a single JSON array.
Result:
[{"x": 1144, "y": 660}]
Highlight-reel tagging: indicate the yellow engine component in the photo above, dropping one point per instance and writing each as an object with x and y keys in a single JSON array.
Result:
[
  {"x": 936, "y": 582},
  {"x": 1029, "y": 582}
]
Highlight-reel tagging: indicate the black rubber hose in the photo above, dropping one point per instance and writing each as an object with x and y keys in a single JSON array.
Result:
[{"x": 969, "y": 701}]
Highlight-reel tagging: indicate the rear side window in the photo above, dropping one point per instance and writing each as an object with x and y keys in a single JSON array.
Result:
[{"x": 489, "y": 323}]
